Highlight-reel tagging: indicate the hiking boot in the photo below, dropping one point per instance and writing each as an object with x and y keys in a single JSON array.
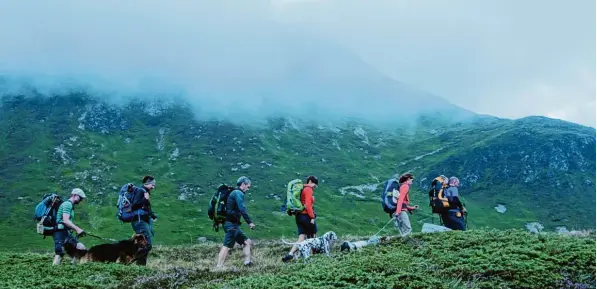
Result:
[
  {"x": 250, "y": 264},
  {"x": 287, "y": 258},
  {"x": 345, "y": 246}
]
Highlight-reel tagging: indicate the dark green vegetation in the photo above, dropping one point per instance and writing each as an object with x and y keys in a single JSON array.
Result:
[
  {"x": 540, "y": 169},
  {"x": 472, "y": 259}
]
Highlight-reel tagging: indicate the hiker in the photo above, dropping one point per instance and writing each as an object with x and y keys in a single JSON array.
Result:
[
  {"x": 142, "y": 223},
  {"x": 305, "y": 220},
  {"x": 65, "y": 225},
  {"x": 235, "y": 208},
  {"x": 454, "y": 217},
  {"x": 402, "y": 222}
]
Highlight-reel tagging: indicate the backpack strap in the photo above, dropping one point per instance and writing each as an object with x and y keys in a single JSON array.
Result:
[
  {"x": 301, "y": 196},
  {"x": 390, "y": 182}
]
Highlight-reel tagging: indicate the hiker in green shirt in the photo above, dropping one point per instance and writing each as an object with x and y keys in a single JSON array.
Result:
[{"x": 65, "y": 225}]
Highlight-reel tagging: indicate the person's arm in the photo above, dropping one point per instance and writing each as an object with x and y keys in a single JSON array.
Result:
[
  {"x": 240, "y": 202},
  {"x": 140, "y": 199},
  {"x": 403, "y": 192},
  {"x": 456, "y": 201},
  {"x": 68, "y": 206},
  {"x": 67, "y": 222}
]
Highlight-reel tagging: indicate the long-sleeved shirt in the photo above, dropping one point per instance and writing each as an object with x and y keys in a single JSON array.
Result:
[
  {"x": 235, "y": 208},
  {"x": 403, "y": 200},
  {"x": 453, "y": 197},
  {"x": 139, "y": 201},
  {"x": 308, "y": 200}
]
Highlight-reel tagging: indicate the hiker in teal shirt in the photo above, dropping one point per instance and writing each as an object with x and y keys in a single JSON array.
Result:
[
  {"x": 235, "y": 209},
  {"x": 65, "y": 225}
]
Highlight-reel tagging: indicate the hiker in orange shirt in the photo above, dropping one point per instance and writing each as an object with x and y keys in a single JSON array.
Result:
[
  {"x": 305, "y": 220},
  {"x": 402, "y": 221}
]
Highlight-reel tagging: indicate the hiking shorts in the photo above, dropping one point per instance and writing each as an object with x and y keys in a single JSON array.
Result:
[
  {"x": 233, "y": 234},
  {"x": 60, "y": 238},
  {"x": 304, "y": 226},
  {"x": 453, "y": 220}
]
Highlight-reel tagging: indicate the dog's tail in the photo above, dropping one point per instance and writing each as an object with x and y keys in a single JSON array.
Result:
[{"x": 287, "y": 243}]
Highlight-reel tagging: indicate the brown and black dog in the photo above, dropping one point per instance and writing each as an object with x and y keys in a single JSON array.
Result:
[{"x": 122, "y": 252}]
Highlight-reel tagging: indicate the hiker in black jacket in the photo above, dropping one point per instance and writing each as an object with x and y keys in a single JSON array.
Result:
[{"x": 142, "y": 223}]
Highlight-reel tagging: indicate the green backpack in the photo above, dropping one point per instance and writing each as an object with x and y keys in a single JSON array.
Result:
[{"x": 293, "y": 197}]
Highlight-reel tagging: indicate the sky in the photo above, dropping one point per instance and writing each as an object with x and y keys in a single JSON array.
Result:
[{"x": 504, "y": 58}]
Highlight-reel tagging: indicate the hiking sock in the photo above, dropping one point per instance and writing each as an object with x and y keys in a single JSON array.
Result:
[{"x": 57, "y": 260}]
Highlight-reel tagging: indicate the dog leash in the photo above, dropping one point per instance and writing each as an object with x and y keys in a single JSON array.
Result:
[{"x": 102, "y": 238}]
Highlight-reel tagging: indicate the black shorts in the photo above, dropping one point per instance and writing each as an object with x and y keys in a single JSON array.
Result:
[
  {"x": 304, "y": 226},
  {"x": 233, "y": 234}
]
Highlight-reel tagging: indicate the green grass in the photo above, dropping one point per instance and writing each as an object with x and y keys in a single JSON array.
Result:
[{"x": 471, "y": 259}]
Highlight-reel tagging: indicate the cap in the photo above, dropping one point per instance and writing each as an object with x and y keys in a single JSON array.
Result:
[{"x": 78, "y": 192}]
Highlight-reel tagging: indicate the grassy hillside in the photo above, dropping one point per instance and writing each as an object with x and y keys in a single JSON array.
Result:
[
  {"x": 540, "y": 169},
  {"x": 472, "y": 259}
]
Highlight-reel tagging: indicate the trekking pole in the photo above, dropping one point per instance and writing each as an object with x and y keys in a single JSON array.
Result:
[{"x": 392, "y": 219}]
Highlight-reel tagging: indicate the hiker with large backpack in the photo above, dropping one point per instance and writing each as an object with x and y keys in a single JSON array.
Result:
[
  {"x": 402, "y": 221},
  {"x": 216, "y": 209},
  {"x": 303, "y": 211},
  {"x": 64, "y": 225},
  {"x": 140, "y": 214},
  {"x": 444, "y": 200},
  {"x": 235, "y": 209},
  {"x": 453, "y": 218}
]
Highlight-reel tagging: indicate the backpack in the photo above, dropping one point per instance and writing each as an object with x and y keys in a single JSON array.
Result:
[
  {"x": 293, "y": 204},
  {"x": 388, "y": 200},
  {"x": 217, "y": 205},
  {"x": 45, "y": 213},
  {"x": 124, "y": 204},
  {"x": 437, "y": 201}
]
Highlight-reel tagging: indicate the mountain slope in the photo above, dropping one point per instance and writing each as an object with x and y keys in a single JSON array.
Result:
[{"x": 540, "y": 169}]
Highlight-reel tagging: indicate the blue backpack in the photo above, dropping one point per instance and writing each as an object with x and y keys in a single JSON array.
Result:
[
  {"x": 387, "y": 199},
  {"x": 124, "y": 204},
  {"x": 45, "y": 214}
]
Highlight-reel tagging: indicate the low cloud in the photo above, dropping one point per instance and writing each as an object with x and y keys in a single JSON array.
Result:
[{"x": 316, "y": 57}]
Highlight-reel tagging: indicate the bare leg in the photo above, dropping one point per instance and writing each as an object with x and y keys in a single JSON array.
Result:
[
  {"x": 247, "y": 251},
  {"x": 222, "y": 256},
  {"x": 294, "y": 247}
]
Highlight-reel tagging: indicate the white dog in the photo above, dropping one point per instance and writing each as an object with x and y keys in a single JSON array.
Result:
[{"x": 319, "y": 244}]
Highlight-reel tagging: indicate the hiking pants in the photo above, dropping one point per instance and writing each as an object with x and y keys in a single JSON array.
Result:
[
  {"x": 453, "y": 220},
  {"x": 402, "y": 224},
  {"x": 142, "y": 227}
]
